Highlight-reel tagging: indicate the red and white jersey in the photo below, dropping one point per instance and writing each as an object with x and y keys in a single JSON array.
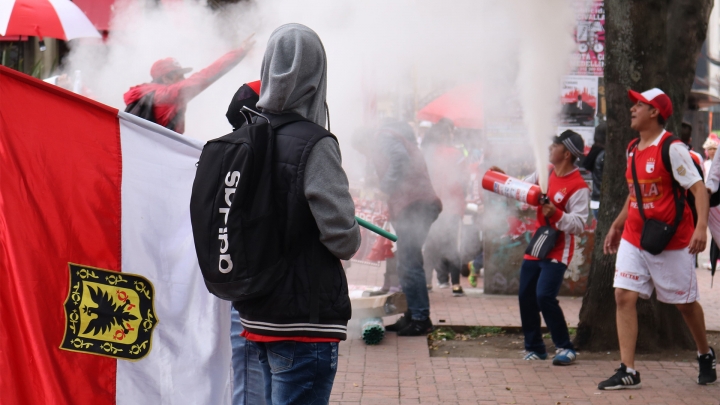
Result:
[
  {"x": 656, "y": 188},
  {"x": 571, "y": 195}
]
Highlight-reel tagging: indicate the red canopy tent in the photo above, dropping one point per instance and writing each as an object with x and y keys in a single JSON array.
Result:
[{"x": 462, "y": 105}]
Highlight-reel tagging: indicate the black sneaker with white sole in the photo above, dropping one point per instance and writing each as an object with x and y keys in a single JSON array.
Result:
[
  {"x": 417, "y": 328},
  {"x": 401, "y": 323},
  {"x": 622, "y": 380},
  {"x": 707, "y": 375}
]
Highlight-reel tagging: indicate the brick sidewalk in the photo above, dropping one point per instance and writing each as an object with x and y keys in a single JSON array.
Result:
[
  {"x": 502, "y": 310},
  {"x": 401, "y": 371}
]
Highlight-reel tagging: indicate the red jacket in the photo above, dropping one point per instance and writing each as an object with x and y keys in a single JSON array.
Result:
[{"x": 172, "y": 99}]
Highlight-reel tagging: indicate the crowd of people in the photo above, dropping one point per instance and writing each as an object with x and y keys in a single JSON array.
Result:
[{"x": 285, "y": 343}]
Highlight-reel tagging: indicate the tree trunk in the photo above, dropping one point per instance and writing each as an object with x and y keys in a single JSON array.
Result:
[{"x": 651, "y": 43}]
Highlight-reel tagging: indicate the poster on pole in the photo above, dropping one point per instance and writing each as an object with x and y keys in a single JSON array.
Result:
[
  {"x": 579, "y": 98},
  {"x": 589, "y": 56}
]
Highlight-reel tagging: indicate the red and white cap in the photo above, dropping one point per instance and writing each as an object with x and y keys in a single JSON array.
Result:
[
  {"x": 654, "y": 97},
  {"x": 164, "y": 66}
]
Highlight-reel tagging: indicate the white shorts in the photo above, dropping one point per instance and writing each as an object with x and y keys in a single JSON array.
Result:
[{"x": 672, "y": 273}]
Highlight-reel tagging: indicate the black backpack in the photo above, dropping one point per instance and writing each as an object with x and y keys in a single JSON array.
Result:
[
  {"x": 238, "y": 240},
  {"x": 144, "y": 108}
]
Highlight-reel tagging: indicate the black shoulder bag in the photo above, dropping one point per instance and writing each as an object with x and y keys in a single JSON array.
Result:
[
  {"x": 656, "y": 235},
  {"x": 543, "y": 241}
]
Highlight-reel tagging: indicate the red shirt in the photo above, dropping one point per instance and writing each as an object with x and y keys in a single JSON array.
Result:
[
  {"x": 172, "y": 99},
  {"x": 560, "y": 189},
  {"x": 266, "y": 339},
  {"x": 657, "y": 198}
]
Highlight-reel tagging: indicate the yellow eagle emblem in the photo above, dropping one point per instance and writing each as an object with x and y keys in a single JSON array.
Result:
[{"x": 108, "y": 313}]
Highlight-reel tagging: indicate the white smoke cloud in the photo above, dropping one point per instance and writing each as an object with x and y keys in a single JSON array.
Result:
[
  {"x": 544, "y": 57},
  {"x": 389, "y": 49}
]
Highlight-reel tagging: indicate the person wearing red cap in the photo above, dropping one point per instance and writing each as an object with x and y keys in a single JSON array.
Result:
[
  {"x": 165, "y": 100},
  {"x": 657, "y": 197}
]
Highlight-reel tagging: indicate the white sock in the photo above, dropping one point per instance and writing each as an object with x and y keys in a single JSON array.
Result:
[
  {"x": 631, "y": 370},
  {"x": 702, "y": 354}
]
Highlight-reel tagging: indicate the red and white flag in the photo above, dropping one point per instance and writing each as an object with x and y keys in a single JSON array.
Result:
[{"x": 101, "y": 297}]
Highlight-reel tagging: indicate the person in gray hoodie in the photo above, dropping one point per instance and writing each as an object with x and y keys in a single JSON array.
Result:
[{"x": 296, "y": 328}]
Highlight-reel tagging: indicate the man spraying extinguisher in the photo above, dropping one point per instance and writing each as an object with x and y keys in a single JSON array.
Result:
[{"x": 559, "y": 219}]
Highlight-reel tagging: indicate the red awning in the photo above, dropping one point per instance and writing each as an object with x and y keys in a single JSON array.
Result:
[
  {"x": 462, "y": 105},
  {"x": 98, "y": 11},
  {"x": 14, "y": 38}
]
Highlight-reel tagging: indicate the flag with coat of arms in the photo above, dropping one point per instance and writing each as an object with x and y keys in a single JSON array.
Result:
[{"x": 102, "y": 301}]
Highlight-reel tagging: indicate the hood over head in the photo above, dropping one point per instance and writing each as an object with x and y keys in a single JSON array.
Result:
[{"x": 294, "y": 73}]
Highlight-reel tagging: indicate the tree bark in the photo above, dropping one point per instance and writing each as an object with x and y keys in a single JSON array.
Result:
[{"x": 650, "y": 43}]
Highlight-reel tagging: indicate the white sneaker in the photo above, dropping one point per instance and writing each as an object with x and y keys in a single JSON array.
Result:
[{"x": 444, "y": 285}]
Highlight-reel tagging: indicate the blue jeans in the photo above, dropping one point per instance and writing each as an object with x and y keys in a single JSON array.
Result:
[
  {"x": 248, "y": 387},
  {"x": 540, "y": 282},
  {"x": 297, "y": 373},
  {"x": 412, "y": 226}
]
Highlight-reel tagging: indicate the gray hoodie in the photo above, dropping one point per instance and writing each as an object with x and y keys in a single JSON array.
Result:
[
  {"x": 294, "y": 79},
  {"x": 294, "y": 73}
]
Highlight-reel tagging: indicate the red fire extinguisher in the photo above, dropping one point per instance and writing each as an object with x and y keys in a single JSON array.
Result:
[{"x": 511, "y": 187}]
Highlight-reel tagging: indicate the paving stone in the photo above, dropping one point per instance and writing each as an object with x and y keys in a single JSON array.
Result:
[{"x": 401, "y": 371}]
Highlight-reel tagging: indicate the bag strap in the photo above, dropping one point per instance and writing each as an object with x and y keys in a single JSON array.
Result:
[
  {"x": 636, "y": 185},
  {"x": 678, "y": 192}
]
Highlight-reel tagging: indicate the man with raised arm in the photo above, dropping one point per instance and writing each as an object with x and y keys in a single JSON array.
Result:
[{"x": 165, "y": 99}]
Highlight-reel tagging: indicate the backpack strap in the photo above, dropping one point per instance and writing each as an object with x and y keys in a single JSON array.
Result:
[
  {"x": 633, "y": 144},
  {"x": 665, "y": 153},
  {"x": 276, "y": 120},
  {"x": 678, "y": 192}
]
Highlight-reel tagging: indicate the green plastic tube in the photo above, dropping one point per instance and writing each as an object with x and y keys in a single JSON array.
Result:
[
  {"x": 373, "y": 330},
  {"x": 376, "y": 229}
]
